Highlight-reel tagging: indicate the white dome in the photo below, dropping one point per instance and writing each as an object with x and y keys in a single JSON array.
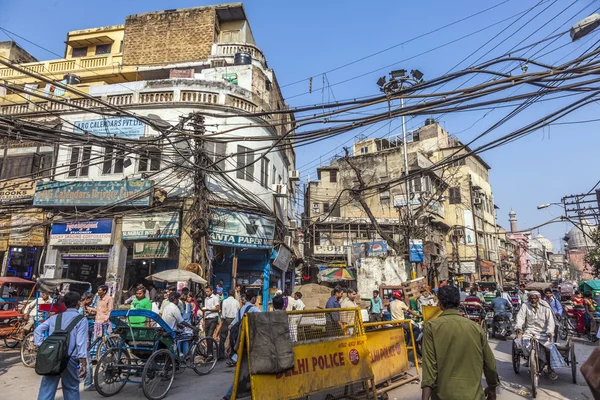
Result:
[
  {"x": 579, "y": 239},
  {"x": 547, "y": 243}
]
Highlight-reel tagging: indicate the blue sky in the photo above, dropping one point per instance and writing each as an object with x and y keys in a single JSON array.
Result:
[{"x": 306, "y": 38}]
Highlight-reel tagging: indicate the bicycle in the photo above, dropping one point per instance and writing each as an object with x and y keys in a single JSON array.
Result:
[
  {"x": 103, "y": 343},
  {"x": 14, "y": 332}
]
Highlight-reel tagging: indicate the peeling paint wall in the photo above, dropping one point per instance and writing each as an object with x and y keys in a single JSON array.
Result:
[{"x": 376, "y": 271}]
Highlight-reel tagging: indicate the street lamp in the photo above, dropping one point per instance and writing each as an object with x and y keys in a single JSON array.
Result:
[
  {"x": 546, "y": 205},
  {"x": 585, "y": 26}
]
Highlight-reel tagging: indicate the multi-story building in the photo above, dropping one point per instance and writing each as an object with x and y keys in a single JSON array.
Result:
[
  {"x": 131, "y": 87},
  {"x": 450, "y": 209}
]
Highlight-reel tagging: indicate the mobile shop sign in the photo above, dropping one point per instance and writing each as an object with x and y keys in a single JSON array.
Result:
[
  {"x": 127, "y": 128},
  {"x": 241, "y": 229},
  {"x": 318, "y": 366},
  {"x": 82, "y": 233},
  {"x": 151, "y": 226},
  {"x": 416, "y": 251},
  {"x": 91, "y": 194}
]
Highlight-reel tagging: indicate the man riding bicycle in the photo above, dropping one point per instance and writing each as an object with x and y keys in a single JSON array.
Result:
[{"x": 535, "y": 318}]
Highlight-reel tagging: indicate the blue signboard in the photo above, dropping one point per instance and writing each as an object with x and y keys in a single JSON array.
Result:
[
  {"x": 91, "y": 194},
  {"x": 241, "y": 229},
  {"x": 416, "y": 251},
  {"x": 127, "y": 128},
  {"x": 83, "y": 233}
]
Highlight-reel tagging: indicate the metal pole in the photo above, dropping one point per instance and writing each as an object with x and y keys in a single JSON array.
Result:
[
  {"x": 477, "y": 259},
  {"x": 407, "y": 190}
]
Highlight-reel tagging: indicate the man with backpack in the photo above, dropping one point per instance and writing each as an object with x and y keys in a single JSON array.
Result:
[{"x": 62, "y": 356}]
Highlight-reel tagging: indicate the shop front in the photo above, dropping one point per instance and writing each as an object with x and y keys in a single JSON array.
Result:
[
  {"x": 25, "y": 243},
  {"x": 151, "y": 242},
  {"x": 84, "y": 248}
]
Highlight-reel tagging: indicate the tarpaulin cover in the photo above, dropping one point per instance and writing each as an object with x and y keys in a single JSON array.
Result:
[{"x": 270, "y": 344}]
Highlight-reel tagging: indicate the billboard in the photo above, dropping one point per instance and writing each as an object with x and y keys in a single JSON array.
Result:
[
  {"x": 469, "y": 232},
  {"x": 82, "y": 233},
  {"x": 92, "y": 194},
  {"x": 367, "y": 249},
  {"x": 151, "y": 226},
  {"x": 126, "y": 128},
  {"x": 241, "y": 229}
]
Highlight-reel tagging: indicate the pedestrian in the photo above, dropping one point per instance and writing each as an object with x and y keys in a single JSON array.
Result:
[
  {"x": 298, "y": 303},
  {"x": 77, "y": 350},
  {"x": 376, "y": 307},
  {"x": 278, "y": 302},
  {"x": 456, "y": 354},
  {"x": 141, "y": 302},
  {"x": 168, "y": 291},
  {"x": 157, "y": 301},
  {"x": 104, "y": 306},
  {"x": 590, "y": 308},
  {"x": 333, "y": 325},
  {"x": 427, "y": 299},
  {"x": 288, "y": 301},
  {"x": 349, "y": 302},
  {"x": 523, "y": 294},
  {"x": 463, "y": 294},
  {"x": 556, "y": 307},
  {"x": 230, "y": 308},
  {"x": 238, "y": 292},
  {"x": 212, "y": 306}
]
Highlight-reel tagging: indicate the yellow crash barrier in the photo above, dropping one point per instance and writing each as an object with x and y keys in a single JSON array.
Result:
[{"x": 431, "y": 312}]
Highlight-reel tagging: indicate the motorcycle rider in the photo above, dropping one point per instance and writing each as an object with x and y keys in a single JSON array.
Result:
[
  {"x": 501, "y": 307},
  {"x": 536, "y": 318}
]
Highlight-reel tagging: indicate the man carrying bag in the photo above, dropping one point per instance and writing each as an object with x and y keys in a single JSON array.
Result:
[{"x": 63, "y": 352}]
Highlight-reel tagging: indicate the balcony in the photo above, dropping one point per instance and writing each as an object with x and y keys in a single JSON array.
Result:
[
  {"x": 221, "y": 50},
  {"x": 77, "y": 66}
]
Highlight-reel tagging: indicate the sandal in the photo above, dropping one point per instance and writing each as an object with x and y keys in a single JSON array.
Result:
[
  {"x": 230, "y": 364},
  {"x": 553, "y": 375}
]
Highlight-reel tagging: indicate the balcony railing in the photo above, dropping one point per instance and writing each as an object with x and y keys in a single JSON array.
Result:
[
  {"x": 63, "y": 66},
  {"x": 229, "y": 50}
]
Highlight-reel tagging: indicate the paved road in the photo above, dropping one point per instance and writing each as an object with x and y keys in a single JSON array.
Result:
[{"x": 20, "y": 383}]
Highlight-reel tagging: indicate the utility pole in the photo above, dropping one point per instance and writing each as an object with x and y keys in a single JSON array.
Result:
[{"x": 477, "y": 259}]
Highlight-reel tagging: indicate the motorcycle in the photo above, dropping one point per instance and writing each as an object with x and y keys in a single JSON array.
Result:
[
  {"x": 417, "y": 328},
  {"x": 501, "y": 326}
]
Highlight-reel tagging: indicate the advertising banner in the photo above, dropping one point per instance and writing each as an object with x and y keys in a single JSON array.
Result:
[
  {"x": 151, "y": 226},
  {"x": 150, "y": 250},
  {"x": 82, "y": 233},
  {"x": 92, "y": 194},
  {"x": 416, "y": 251},
  {"x": 126, "y": 128},
  {"x": 388, "y": 354},
  {"x": 241, "y": 229},
  {"x": 26, "y": 229},
  {"x": 16, "y": 191},
  {"x": 469, "y": 239},
  {"x": 368, "y": 249}
]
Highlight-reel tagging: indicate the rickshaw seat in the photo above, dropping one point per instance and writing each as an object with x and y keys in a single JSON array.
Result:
[{"x": 55, "y": 308}]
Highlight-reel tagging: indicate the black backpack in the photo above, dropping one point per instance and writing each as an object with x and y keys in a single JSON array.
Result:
[{"x": 53, "y": 354}]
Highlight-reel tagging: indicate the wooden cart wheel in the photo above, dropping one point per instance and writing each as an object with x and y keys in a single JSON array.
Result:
[
  {"x": 573, "y": 361},
  {"x": 516, "y": 358}
]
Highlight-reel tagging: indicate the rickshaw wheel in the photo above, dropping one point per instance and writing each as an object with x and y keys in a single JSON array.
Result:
[
  {"x": 107, "y": 375},
  {"x": 158, "y": 376},
  {"x": 533, "y": 370},
  {"x": 516, "y": 358},
  {"x": 203, "y": 360},
  {"x": 563, "y": 330},
  {"x": 573, "y": 361},
  {"x": 485, "y": 329},
  {"x": 28, "y": 351},
  {"x": 12, "y": 339}
]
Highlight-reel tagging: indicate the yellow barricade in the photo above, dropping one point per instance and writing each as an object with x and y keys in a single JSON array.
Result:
[
  {"x": 330, "y": 351},
  {"x": 431, "y": 312}
]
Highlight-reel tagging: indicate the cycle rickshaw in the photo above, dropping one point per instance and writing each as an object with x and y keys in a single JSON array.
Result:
[
  {"x": 533, "y": 353},
  {"x": 13, "y": 292},
  {"x": 476, "y": 312},
  {"x": 151, "y": 356}
]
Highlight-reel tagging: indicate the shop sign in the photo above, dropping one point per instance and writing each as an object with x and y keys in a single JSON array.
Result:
[
  {"x": 27, "y": 229},
  {"x": 329, "y": 250},
  {"x": 241, "y": 229},
  {"x": 466, "y": 267},
  {"x": 91, "y": 194},
  {"x": 283, "y": 258},
  {"x": 487, "y": 268},
  {"x": 82, "y": 233},
  {"x": 416, "y": 250},
  {"x": 4, "y": 233},
  {"x": 127, "y": 128},
  {"x": 16, "y": 191},
  {"x": 151, "y": 226},
  {"x": 150, "y": 250},
  {"x": 85, "y": 252},
  {"x": 181, "y": 73}
]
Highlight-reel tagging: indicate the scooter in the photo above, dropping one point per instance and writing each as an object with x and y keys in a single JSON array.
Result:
[{"x": 502, "y": 326}]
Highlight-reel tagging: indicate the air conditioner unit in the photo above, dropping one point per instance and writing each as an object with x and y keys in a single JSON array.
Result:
[
  {"x": 477, "y": 201},
  {"x": 278, "y": 188},
  {"x": 293, "y": 224},
  {"x": 294, "y": 175},
  {"x": 289, "y": 241},
  {"x": 385, "y": 195}
]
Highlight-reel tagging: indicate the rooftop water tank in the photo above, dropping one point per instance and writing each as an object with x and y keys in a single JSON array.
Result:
[
  {"x": 72, "y": 79},
  {"x": 242, "y": 58},
  {"x": 429, "y": 121}
]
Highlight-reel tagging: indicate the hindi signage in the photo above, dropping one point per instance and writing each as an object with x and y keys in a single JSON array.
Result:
[
  {"x": 82, "y": 233},
  {"x": 241, "y": 229},
  {"x": 92, "y": 194},
  {"x": 151, "y": 226},
  {"x": 127, "y": 128},
  {"x": 16, "y": 191},
  {"x": 26, "y": 229}
]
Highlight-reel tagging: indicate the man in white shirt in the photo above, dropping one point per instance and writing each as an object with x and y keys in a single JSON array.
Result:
[
  {"x": 298, "y": 303},
  {"x": 212, "y": 306},
  {"x": 31, "y": 310},
  {"x": 172, "y": 315},
  {"x": 230, "y": 308}
]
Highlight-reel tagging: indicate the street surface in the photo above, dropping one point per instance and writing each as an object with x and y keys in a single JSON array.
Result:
[{"x": 19, "y": 382}]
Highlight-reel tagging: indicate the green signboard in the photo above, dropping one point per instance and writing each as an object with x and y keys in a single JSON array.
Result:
[
  {"x": 92, "y": 194},
  {"x": 150, "y": 250}
]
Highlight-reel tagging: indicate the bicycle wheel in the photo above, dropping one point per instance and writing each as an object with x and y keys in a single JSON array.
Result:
[
  {"x": 563, "y": 329},
  {"x": 28, "y": 351},
  {"x": 533, "y": 369},
  {"x": 12, "y": 339},
  {"x": 573, "y": 361},
  {"x": 106, "y": 344},
  {"x": 203, "y": 359},
  {"x": 108, "y": 379},
  {"x": 516, "y": 358},
  {"x": 158, "y": 375}
]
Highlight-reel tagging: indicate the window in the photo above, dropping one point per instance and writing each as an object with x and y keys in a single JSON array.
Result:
[
  {"x": 79, "y": 164},
  {"x": 416, "y": 185},
  {"x": 245, "y": 163},
  {"x": 333, "y": 176},
  {"x": 216, "y": 152},
  {"x": 34, "y": 165},
  {"x": 264, "y": 172},
  {"x": 458, "y": 163},
  {"x": 103, "y": 49},
  {"x": 364, "y": 150},
  {"x": 273, "y": 175},
  {"x": 121, "y": 47},
  {"x": 325, "y": 207},
  {"x": 335, "y": 212},
  {"x": 79, "y": 51},
  {"x": 150, "y": 161},
  {"x": 113, "y": 161},
  {"x": 454, "y": 195},
  {"x": 230, "y": 36}
]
